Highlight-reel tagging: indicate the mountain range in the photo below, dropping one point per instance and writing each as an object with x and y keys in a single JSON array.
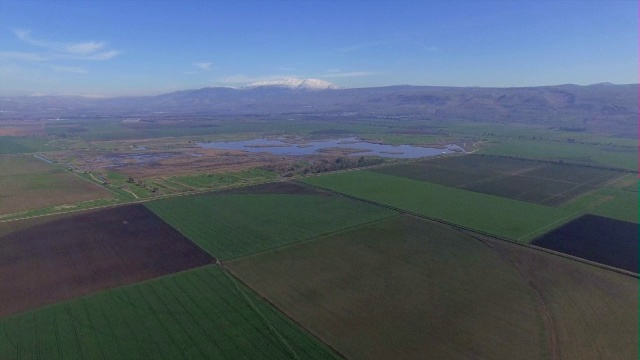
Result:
[{"x": 597, "y": 107}]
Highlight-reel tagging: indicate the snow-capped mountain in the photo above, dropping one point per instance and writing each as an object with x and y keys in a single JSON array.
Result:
[{"x": 293, "y": 83}]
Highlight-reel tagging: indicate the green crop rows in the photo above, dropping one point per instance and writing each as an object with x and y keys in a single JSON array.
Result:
[
  {"x": 513, "y": 219},
  {"x": 228, "y": 226},
  {"x": 199, "y": 314}
]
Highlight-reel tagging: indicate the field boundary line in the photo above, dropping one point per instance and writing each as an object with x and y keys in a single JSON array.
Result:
[
  {"x": 573, "y": 188},
  {"x": 492, "y": 236},
  {"x": 546, "y": 226},
  {"x": 255, "y": 308},
  {"x": 313, "y": 238},
  {"x": 266, "y": 300}
]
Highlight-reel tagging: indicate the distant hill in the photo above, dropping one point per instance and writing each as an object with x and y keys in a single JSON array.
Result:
[{"x": 595, "y": 107}]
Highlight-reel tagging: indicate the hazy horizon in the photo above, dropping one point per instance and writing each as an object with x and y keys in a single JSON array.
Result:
[{"x": 120, "y": 48}]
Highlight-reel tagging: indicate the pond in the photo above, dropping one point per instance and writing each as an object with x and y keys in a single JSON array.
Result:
[{"x": 279, "y": 147}]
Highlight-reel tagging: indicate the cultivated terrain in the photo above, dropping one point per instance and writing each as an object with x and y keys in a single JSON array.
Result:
[{"x": 129, "y": 231}]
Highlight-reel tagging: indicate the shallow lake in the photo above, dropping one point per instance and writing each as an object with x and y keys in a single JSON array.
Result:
[{"x": 279, "y": 147}]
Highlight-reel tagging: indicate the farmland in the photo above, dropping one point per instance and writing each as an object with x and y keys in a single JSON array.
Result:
[
  {"x": 404, "y": 287},
  {"x": 518, "y": 179},
  {"x": 615, "y": 156},
  {"x": 17, "y": 145},
  {"x": 594, "y": 311},
  {"x": 517, "y": 220},
  {"x": 29, "y": 183},
  {"x": 228, "y": 225},
  {"x": 608, "y": 202},
  {"x": 606, "y": 241},
  {"x": 80, "y": 254},
  {"x": 197, "y": 314}
]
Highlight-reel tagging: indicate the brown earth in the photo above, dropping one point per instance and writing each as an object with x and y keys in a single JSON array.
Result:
[
  {"x": 83, "y": 254},
  {"x": 28, "y": 183}
]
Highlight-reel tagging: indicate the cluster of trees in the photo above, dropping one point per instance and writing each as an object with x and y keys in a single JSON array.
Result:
[{"x": 140, "y": 183}]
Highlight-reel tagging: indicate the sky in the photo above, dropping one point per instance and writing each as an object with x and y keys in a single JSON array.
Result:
[{"x": 110, "y": 48}]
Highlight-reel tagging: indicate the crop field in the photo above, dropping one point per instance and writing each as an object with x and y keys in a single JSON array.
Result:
[
  {"x": 197, "y": 314},
  {"x": 615, "y": 156},
  {"x": 29, "y": 183},
  {"x": 513, "y": 219},
  {"x": 525, "y": 180},
  {"x": 17, "y": 145},
  {"x": 603, "y": 240},
  {"x": 399, "y": 289},
  {"x": 594, "y": 311},
  {"x": 607, "y": 202},
  {"x": 76, "y": 255},
  {"x": 404, "y": 287},
  {"x": 228, "y": 225}
]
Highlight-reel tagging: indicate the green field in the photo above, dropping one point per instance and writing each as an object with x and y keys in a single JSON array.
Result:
[
  {"x": 17, "y": 145},
  {"x": 491, "y": 214},
  {"x": 231, "y": 225},
  {"x": 402, "y": 288},
  {"x": 614, "y": 156},
  {"x": 612, "y": 203},
  {"x": 198, "y": 314}
]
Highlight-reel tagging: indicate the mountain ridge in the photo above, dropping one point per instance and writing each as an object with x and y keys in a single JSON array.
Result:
[{"x": 597, "y": 106}]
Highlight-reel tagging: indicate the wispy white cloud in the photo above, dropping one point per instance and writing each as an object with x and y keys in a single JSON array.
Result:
[
  {"x": 68, "y": 69},
  {"x": 88, "y": 50},
  {"x": 85, "y": 47},
  {"x": 203, "y": 65}
]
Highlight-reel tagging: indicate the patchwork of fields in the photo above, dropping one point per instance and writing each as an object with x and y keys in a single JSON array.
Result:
[
  {"x": 525, "y": 180},
  {"x": 399, "y": 289},
  {"x": 504, "y": 217},
  {"x": 237, "y": 223},
  {"x": 311, "y": 274},
  {"x": 29, "y": 183},
  {"x": 404, "y": 287},
  {"x": 198, "y": 314},
  {"x": 622, "y": 157},
  {"x": 83, "y": 254}
]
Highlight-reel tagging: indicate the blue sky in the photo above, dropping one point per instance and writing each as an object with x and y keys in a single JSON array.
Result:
[{"x": 150, "y": 47}]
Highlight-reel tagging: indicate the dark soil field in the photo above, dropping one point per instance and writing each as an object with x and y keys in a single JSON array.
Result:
[
  {"x": 596, "y": 238},
  {"x": 402, "y": 288},
  {"x": 527, "y": 180},
  {"x": 85, "y": 253}
]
